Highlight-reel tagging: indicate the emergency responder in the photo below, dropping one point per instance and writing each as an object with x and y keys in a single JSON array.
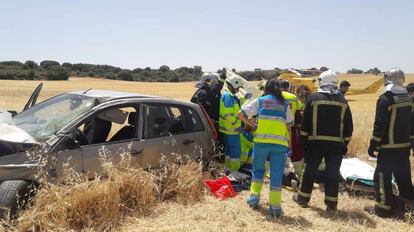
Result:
[
  {"x": 326, "y": 131},
  {"x": 271, "y": 140},
  {"x": 229, "y": 123},
  {"x": 391, "y": 141},
  {"x": 344, "y": 87},
  {"x": 302, "y": 92},
  {"x": 202, "y": 96}
]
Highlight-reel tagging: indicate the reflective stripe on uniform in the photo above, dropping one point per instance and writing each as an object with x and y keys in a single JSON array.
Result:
[
  {"x": 256, "y": 188},
  {"x": 315, "y": 105},
  {"x": 268, "y": 136},
  {"x": 393, "y": 108},
  {"x": 328, "y": 198},
  {"x": 275, "y": 197},
  {"x": 306, "y": 195},
  {"x": 326, "y": 138},
  {"x": 347, "y": 139},
  {"x": 272, "y": 118},
  {"x": 382, "y": 190},
  {"x": 396, "y": 145},
  {"x": 412, "y": 137},
  {"x": 375, "y": 138},
  {"x": 303, "y": 133}
]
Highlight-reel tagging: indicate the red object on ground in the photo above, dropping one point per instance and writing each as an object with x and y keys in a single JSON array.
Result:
[{"x": 221, "y": 188}]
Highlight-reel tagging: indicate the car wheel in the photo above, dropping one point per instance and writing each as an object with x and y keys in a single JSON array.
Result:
[{"x": 13, "y": 195}]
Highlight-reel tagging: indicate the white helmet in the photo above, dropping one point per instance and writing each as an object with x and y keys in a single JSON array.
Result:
[
  {"x": 394, "y": 76},
  {"x": 235, "y": 81},
  {"x": 328, "y": 78}
]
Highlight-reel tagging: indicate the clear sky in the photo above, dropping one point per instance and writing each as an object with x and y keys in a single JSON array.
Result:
[{"x": 211, "y": 33}]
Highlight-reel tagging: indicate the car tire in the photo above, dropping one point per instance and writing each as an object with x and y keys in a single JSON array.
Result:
[{"x": 13, "y": 193}]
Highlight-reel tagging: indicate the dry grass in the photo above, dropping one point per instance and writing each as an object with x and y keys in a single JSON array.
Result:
[
  {"x": 103, "y": 204},
  {"x": 193, "y": 215}
]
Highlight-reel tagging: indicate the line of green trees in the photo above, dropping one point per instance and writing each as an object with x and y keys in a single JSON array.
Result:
[{"x": 53, "y": 70}]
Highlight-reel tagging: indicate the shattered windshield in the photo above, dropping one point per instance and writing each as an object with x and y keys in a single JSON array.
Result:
[{"x": 45, "y": 119}]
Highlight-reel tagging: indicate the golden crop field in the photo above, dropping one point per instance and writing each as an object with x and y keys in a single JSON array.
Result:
[{"x": 234, "y": 214}]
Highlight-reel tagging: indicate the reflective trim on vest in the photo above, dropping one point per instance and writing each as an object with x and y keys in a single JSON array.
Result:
[
  {"x": 412, "y": 137},
  {"x": 303, "y": 133},
  {"x": 267, "y": 136},
  {"x": 271, "y": 118},
  {"x": 228, "y": 131},
  {"x": 271, "y": 121}
]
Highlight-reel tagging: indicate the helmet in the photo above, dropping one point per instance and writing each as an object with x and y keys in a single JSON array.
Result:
[
  {"x": 235, "y": 81},
  {"x": 206, "y": 78},
  {"x": 394, "y": 76},
  {"x": 328, "y": 78}
]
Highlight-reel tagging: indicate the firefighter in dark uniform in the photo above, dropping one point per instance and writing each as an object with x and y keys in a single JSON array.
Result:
[
  {"x": 392, "y": 139},
  {"x": 325, "y": 133},
  {"x": 202, "y": 96}
]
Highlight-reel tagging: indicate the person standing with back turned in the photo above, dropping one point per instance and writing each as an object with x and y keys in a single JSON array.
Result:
[
  {"x": 325, "y": 133},
  {"x": 271, "y": 141},
  {"x": 392, "y": 139}
]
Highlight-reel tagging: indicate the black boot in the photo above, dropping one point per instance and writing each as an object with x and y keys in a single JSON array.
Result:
[
  {"x": 378, "y": 211},
  {"x": 300, "y": 200}
]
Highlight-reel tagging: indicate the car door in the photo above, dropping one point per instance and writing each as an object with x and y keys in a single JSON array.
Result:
[
  {"x": 89, "y": 157},
  {"x": 33, "y": 98},
  {"x": 167, "y": 135}
]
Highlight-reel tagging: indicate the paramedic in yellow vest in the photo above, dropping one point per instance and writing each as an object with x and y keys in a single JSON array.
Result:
[
  {"x": 271, "y": 141},
  {"x": 230, "y": 124}
]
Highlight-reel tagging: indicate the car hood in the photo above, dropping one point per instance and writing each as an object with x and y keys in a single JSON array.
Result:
[{"x": 14, "y": 140}]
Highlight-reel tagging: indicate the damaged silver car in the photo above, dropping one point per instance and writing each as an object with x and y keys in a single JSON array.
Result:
[{"x": 73, "y": 128}]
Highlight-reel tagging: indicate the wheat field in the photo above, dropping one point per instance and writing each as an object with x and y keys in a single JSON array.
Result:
[{"x": 234, "y": 214}]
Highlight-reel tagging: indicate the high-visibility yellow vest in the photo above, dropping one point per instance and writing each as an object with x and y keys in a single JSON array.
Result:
[
  {"x": 292, "y": 100},
  {"x": 271, "y": 121},
  {"x": 229, "y": 122}
]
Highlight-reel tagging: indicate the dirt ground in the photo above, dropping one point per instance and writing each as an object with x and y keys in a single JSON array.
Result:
[{"x": 234, "y": 214}]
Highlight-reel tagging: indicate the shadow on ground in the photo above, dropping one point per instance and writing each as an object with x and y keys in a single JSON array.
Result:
[{"x": 345, "y": 216}]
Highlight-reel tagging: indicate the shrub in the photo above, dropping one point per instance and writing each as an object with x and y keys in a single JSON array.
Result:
[
  {"x": 57, "y": 73},
  {"x": 30, "y": 64},
  {"x": 124, "y": 75},
  {"x": 48, "y": 64}
]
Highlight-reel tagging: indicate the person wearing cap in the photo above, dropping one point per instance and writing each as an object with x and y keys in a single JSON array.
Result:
[
  {"x": 392, "y": 139},
  {"x": 344, "y": 87},
  {"x": 229, "y": 123},
  {"x": 325, "y": 133}
]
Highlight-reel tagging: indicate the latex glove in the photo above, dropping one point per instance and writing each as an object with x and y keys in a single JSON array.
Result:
[
  {"x": 289, "y": 153},
  {"x": 373, "y": 149}
]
